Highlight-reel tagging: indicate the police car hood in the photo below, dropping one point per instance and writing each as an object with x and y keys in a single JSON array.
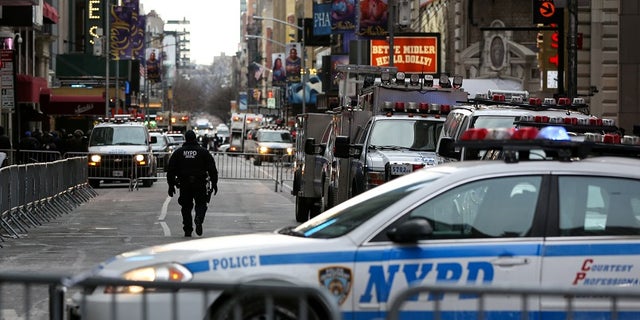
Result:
[
  {"x": 201, "y": 254},
  {"x": 118, "y": 149},
  {"x": 378, "y": 158}
]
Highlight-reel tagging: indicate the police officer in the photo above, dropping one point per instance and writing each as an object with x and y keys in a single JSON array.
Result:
[{"x": 189, "y": 167}]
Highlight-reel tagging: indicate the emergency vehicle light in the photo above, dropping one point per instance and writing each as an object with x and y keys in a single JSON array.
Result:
[
  {"x": 444, "y": 81},
  {"x": 498, "y": 97},
  {"x": 509, "y": 93},
  {"x": 457, "y": 82},
  {"x": 428, "y": 80},
  {"x": 549, "y": 102},
  {"x": 414, "y": 80},
  {"x": 535, "y": 102}
]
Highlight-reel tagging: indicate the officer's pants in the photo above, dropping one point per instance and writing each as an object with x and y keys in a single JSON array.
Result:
[{"x": 190, "y": 193}]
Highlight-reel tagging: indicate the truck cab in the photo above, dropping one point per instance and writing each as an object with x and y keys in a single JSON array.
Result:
[{"x": 392, "y": 145}]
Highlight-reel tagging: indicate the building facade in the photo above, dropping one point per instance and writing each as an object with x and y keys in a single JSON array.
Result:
[{"x": 499, "y": 40}]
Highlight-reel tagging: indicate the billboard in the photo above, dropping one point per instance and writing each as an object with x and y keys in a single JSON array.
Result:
[{"x": 412, "y": 54}]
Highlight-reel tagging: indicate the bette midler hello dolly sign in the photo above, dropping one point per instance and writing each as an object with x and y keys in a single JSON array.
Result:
[{"x": 412, "y": 54}]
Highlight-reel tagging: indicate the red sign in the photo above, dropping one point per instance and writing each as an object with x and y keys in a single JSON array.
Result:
[
  {"x": 411, "y": 54},
  {"x": 547, "y": 9}
]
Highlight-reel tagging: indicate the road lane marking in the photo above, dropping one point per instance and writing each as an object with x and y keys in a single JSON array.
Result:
[
  {"x": 163, "y": 211},
  {"x": 163, "y": 214},
  {"x": 165, "y": 229}
]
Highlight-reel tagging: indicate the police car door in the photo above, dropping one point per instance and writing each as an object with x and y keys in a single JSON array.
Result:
[
  {"x": 594, "y": 240},
  {"x": 484, "y": 232}
]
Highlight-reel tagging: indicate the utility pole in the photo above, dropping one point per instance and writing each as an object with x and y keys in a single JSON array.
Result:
[{"x": 572, "y": 59}]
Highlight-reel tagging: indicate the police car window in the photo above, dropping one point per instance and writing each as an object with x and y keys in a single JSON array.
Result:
[
  {"x": 599, "y": 206},
  {"x": 363, "y": 136},
  {"x": 417, "y": 135},
  {"x": 340, "y": 220},
  {"x": 493, "y": 122},
  {"x": 498, "y": 207}
]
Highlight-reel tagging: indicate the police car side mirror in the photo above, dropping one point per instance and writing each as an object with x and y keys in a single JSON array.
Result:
[
  {"x": 411, "y": 231},
  {"x": 153, "y": 139},
  {"x": 309, "y": 146},
  {"x": 342, "y": 147},
  {"x": 447, "y": 148}
]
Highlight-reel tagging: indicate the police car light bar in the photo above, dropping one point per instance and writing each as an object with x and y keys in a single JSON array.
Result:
[
  {"x": 508, "y": 94},
  {"x": 414, "y": 107},
  {"x": 570, "y": 123},
  {"x": 517, "y": 143}
]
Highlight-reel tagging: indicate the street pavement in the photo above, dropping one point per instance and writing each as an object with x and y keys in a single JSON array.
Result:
[{"x": 119, "y": 220}]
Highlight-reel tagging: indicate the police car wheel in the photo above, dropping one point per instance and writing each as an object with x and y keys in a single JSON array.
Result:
[{"x": 255, "y": 308}]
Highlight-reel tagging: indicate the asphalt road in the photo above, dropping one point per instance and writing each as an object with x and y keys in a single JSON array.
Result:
[{"x": 119, "y": 220}]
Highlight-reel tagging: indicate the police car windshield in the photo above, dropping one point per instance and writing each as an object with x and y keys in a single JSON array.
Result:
[
  {"x": 120, "y": 135},
  {"x": 275, "y": 136},
  {"x": 346, "y": 217},
  {"x": 416, "y": 134},
  {"x": 493, "y": 122}
]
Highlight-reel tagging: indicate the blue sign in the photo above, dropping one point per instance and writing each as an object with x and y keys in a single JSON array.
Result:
[{"x": 321, "y": 19}]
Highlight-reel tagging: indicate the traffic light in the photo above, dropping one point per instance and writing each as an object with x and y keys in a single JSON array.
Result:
[
  {"x": 547, "y": 43},
  {"x": 546, "y": 12}
]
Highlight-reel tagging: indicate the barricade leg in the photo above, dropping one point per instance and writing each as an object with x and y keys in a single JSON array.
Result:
[{"x": 7, "y": 227}]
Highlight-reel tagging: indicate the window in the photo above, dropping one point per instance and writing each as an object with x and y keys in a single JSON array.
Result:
[
  {"x": 411, "y": 134},
  {"x": 498, "y": 207},
  {"x": 599, "y": 206}
]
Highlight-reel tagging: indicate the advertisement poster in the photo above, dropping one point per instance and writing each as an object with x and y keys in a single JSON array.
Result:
[
  {"x": 373, "y": 18},
  {"x": 293, "y": 62},
  {"x": 412, "y": 54},
  {"x": 279, "y": 73}
]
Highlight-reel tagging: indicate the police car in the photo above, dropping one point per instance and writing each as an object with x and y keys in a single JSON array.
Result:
[{"x": 573, "y": 222}]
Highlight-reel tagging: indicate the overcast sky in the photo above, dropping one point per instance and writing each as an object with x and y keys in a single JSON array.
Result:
[{"x": 214, "y": 26}]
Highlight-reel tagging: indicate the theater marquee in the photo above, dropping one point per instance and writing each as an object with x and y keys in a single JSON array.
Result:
[{"x": 412, "y": 54}]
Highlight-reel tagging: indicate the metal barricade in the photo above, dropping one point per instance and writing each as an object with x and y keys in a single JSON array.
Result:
[
  {"x": 233, "y": 166},
  {"x": 240, "y": 166},
  {"x": 35, "y": 193},
  {"x": 442, "y": 301},
  {"x": 120, "y": 167},
  {"x": 40, "y": 297}
]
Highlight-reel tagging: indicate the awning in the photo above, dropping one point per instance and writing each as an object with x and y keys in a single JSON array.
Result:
[
  {"x": 49, "y": 13},
  {"x": 18, "y": 2},
  {"x": 73, "y": 105},
  {"x": 28, "y": 88}
]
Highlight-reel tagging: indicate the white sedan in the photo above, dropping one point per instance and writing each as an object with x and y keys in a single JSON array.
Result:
[{"x": 573, "y": 223}]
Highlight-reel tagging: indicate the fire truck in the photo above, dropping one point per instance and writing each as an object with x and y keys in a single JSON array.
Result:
[
  {"x": 173, "y": 121},
  {"x": 391, "y": 131}
]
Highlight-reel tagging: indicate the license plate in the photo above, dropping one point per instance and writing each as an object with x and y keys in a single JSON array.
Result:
[
  {"x": 401, "y": 169},
  {"x": 118, "y": 173}
]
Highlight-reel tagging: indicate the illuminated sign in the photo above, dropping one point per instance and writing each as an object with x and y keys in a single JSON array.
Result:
[
  {"x": 546, "y": 12},
  {"x": 95, "y": 14},
  {"x": 412, "y": 54}
]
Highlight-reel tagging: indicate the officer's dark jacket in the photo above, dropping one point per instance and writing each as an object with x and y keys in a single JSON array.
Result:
[{"x": 192, "y": 163}]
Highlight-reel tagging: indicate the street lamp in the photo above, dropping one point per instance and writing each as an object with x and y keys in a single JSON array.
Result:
[{"x": 304, "y": 53}]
